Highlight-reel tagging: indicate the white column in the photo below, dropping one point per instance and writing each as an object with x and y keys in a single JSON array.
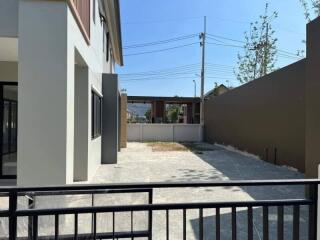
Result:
[{"x": 45, "y": 95}]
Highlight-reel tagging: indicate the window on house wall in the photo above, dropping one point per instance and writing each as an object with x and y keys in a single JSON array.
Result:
[
  {"x": 107, "y": 47},
  {"x": 103, "y": 36},
  {"x": 94, "y": 11},
  {"x": 96, "y": 115}
]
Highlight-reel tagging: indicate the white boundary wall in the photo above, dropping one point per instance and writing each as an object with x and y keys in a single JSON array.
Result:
[{"x": 164, "y": 132}]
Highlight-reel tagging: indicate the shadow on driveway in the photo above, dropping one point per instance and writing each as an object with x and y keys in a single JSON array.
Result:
[{"x": 229, "y": 165}]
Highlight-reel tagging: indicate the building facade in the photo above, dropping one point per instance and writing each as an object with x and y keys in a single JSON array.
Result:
[{"x": 56, "y": 59}]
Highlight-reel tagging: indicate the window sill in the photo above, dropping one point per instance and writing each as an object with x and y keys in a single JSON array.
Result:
[{"x": 95, "y": 137}]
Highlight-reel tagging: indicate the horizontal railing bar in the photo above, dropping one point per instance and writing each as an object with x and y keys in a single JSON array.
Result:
[
  {"x": 4, "y": 213},
  {"x": 162, "y": 206},
  {"x": 164, "y": 185},
  {"x": 84, "y": 192},
  {"x": 106, "y": 235}
]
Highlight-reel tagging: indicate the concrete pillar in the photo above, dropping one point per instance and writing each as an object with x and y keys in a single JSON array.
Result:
[
  {"x": 123, "y": 120},
  {"x": 190, "y": 113},
  {"x": 197, "y": 113},
  {"x": 312, "y": 99},
  {"x": 110, "y": 108},
  {"x": 153, "y": 111},
  {"x": 45, "y": 95},
  {"x": 81, "y": 124},
  {"x": 160, "y": 111},
  {"x": 194, "y": 113}
]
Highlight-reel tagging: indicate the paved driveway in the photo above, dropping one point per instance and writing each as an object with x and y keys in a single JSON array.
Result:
[{"x": 138, "y": 163}]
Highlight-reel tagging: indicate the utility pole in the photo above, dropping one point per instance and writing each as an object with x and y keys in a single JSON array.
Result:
[{"x": 203, "y": 45}]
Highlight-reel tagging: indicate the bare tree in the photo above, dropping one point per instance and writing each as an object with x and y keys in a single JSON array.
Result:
[
  {"x": 311, "y": 8},
  {"x": 260, "y": 49}
]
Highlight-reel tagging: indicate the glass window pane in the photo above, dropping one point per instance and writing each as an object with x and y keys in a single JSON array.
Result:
[
  {"x": 96, "y": 115},
  {"x": 5, "y": 127},
  {"x": 9, "y": 130}
]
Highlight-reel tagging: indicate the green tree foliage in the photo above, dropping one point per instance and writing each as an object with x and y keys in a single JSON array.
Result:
[
  {"x": 260, "y": 49},
  {"x": 311, "y": 7},
  {"x": 173, "y": 112},
  {"x": 148, "y": 115}
]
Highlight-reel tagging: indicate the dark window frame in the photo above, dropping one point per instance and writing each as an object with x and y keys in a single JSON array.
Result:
[
  {"x": 107, "y": 45},
  {"x": 103, "y": 36},
  {"x": 96, "y": 114},
  {"x": 94, "y": 11}
]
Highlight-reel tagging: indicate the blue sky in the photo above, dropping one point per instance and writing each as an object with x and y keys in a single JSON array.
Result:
[{"x": 146, "y": 21}]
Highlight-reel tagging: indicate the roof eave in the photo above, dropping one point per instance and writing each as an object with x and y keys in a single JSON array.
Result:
[{"x": 112, "y": 10}]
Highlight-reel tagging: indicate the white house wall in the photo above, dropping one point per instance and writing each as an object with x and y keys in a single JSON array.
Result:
[
  {"x": 44, "y": 146},
  {"x": 94, "y": 58},
  {"x": 49, "y": 37}
]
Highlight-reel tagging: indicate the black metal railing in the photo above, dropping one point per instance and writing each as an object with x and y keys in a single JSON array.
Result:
[{"x": 32, "y": 213}]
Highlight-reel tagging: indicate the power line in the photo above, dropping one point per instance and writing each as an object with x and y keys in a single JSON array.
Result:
[
  {"x": 179, "y": 71},
  {"x": 162, "y": 20},
  {"x": 292, "y": 56},
  {"x": 161, "y": 50},
  {"x": 183, "y": 66},
  {"x": 239, "y": 21},
  {"x": 225, "y": 45},
  {"x": 175, "y": 75},
  {"x": 239, "y": 41},
  {"x": 176, "y": 78},
  {"x": 186, "y": 70},
  {"x": 219, "y": 65},
  {"x": 160, "y": 42},
  {"x": 288, "y": 53},
  {"x": 165, "y": 69},
  {"x": 285, "y": 54},
  {"x": 225, "y": 38},
  {"x": 161, "y": 75}
]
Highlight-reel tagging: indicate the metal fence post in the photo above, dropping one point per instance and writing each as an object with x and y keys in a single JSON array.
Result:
[
  {"x": 313, "y": 211},
  {"x": 31, "y": 205},
  {"x": 12, "y": 215},
  {"x": 150, "y": 214},
  {"x": 92, "y": 215}
]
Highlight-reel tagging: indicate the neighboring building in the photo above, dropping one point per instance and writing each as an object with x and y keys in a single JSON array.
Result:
[
  {"x": 191, "y": 107},
  {"x": 57, "y": 65},
  {"x": 216, "y": 91}
]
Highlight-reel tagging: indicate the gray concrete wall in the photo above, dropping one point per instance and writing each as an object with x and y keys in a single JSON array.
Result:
[
  {"x": 55, "y": 135},
  {"x": 9, "y": 18},
  {"x": 312, "y": 92},
  {"x": 110, "y": 119},
  {"x": 81, "y": 124},
  {"x": 263, "y": 115}
]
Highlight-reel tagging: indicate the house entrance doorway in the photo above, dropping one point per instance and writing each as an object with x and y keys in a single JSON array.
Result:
[{"x": 8, "y": 129}]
